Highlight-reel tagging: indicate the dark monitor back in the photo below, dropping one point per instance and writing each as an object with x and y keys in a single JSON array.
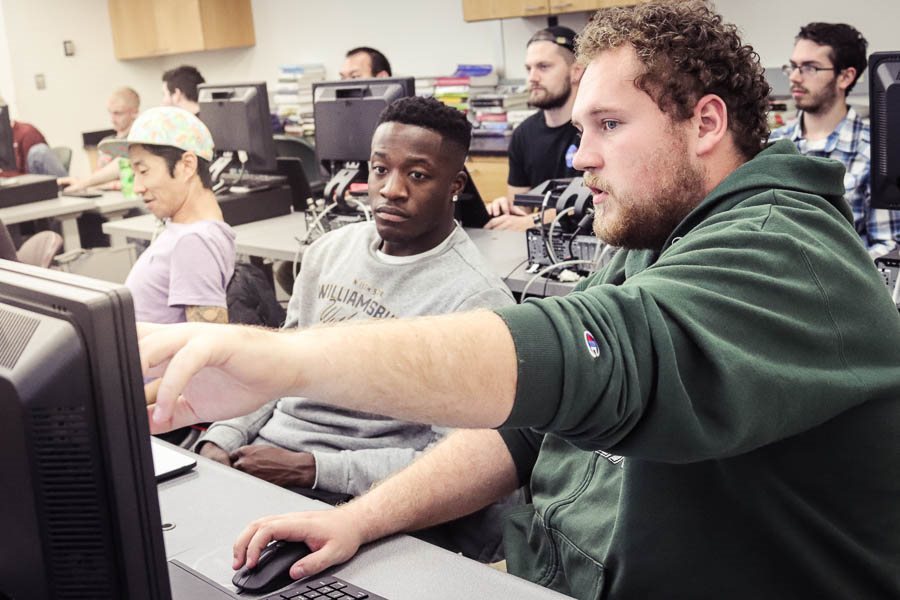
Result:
[
  {"x": 80, "y": 514},
  {"x": 884, "y": 116},
  {"x": 7, "y": 147},
  {"x": 470, "y": 210},
  {"x": 238, "y": 118},
  {"x": 346, "y": 114}
]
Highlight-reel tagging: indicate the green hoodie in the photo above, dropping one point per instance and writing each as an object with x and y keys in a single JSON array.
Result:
[{"x": 720, "y": 419}]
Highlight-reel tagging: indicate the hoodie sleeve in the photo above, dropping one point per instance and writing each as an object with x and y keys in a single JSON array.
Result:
[
  {"x": 355, "y": 471},
  {"x": 744, "y": 332},
  {"x": 240, "y": 431}
]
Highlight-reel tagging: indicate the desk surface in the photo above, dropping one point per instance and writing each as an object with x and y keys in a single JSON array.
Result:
[
  {"x": 114, "y": 201},
  {"x": 207, "y": 508},
  {"x": 45, "y": 209}
]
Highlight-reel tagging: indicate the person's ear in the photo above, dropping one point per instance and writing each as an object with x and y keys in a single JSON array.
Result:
[
  {"x": 846, "y": 77},
  {"x": 711, "y": 123},
  {"x": 189, "y": 166},
  {"x": 458, "y": 183},
  {"x": 575, "y": 73}
]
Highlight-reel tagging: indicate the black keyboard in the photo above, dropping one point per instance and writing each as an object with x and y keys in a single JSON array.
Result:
[
  {"x": 324, "y": 588},
  {"x": 254, "y": 181}
]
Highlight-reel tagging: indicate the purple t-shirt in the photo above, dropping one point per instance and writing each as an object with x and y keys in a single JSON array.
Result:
[{"x": 187, "y": 265}]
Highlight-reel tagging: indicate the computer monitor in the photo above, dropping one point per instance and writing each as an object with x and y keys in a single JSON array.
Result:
[
  {"x": 238, "y": 118},
  {"x": 7, "y": 147},
  {"x": 346, "y": 113},
  {"x": 884, "y": 117},
  {"x": 80, "y": 514}
]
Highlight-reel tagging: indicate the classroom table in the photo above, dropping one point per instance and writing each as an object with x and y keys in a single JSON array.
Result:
[{"x": 204, "y": 510}]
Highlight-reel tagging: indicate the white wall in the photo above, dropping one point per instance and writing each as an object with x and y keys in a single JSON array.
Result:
[{"x": 420, "y": 37}]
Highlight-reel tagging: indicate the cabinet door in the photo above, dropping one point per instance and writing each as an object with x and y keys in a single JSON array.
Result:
[
  {"x": 489, "y": 174},
  {"x": 568, "y": 6},
  {"x": 227, "y": 24},
  {"x": 178, "y": 26},
  {"x": 480, "y": 10},
  {"x": 133, "y": 28}
]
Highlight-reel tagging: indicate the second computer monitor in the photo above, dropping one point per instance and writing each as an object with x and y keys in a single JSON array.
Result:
[
  {"x": 346, "y": 114},
  {"x": 7, "y": 149},
  {"x": 884, "y": 112},
  {"x": 238, "y": 118}
]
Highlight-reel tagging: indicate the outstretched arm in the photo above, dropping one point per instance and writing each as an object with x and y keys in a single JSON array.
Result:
[
  {"x": 456, "y": 370},
  {"x": 466, "y": 472}
]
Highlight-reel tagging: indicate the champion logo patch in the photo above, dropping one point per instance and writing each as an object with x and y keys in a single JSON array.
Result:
[{"x": 591, "y": 342}]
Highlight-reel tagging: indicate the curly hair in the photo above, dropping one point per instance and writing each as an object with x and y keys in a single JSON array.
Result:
[
  {"x": 687, "y": 52},
  {"x": 432, "y": 114},
  {"x": 848, "y": 46}
]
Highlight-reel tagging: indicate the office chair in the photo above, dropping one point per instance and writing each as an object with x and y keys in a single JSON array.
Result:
[
  {"x": 64, "y": 154},
  {"x": 287, "y": 146},
  {"x": 39, "y": 249}
]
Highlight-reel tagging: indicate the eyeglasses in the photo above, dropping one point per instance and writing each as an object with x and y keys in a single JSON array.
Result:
[{"x": 805, "y": 69}]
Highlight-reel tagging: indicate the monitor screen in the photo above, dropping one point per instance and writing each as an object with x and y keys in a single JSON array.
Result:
[
  {"x": 346, "y": 113},
  {"x": 884, "y": 116},
  {"x": 238, "y": 118},
  {"x": 7, "y": 147},
  {"x": 80, "y": 513}
]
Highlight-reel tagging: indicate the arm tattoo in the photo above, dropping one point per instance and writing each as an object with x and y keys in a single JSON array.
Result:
[{"x": 206, "y": 314}]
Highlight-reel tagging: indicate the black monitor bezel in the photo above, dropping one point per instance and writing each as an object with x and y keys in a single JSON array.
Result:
[{"x": 261, "y": 151}]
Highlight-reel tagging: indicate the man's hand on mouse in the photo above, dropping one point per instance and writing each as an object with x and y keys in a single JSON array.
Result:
[
  {"x": 333, "y": 537},
  {"x": 276, "y": 465}
]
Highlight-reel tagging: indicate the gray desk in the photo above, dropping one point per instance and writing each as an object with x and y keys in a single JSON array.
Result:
[
  {"x": 65, "y": 210},
  {"x": 208, "y": 507},
  {"x": 276, "y": 239},
  {"x": 114, "y": 206},
  {"x": 141, "y": 227}
]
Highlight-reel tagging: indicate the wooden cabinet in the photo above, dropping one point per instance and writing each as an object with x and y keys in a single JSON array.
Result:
[
  {"x": 142, "y": 28},
  {"x": 481, "y": 10},
  {"x": 489, "y": 174}
]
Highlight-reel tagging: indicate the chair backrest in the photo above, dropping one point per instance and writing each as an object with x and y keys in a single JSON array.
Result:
[
  {"x": 64, "y": 154},
  {"x": 295, "y": 147},
  {"x": 39, "y": 249}
]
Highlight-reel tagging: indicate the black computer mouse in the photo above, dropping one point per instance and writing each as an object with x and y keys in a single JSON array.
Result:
[{"x": 273, "y": 569}]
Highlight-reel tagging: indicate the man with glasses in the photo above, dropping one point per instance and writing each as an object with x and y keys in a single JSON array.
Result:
[{"x": 827, "y": 61}]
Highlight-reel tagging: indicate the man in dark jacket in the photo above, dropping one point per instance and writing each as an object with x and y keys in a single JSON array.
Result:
[{"x": 712, "y": 415}]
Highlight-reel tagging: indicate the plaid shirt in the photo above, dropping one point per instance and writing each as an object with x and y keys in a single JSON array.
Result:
[{"x": 849, "y": 144}]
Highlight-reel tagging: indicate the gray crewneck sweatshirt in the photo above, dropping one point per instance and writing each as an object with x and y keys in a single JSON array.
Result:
[{"x": 344, "y": 276}]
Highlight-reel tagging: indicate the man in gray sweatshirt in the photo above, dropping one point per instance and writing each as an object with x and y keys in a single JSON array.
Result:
[{"x": 413, "y": 260}]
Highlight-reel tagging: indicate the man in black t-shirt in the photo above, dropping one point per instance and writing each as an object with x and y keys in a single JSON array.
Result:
[{"x": 542, "y": 147}]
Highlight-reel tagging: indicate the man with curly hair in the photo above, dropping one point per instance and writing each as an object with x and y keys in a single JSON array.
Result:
[
  {"x": 827, "y": 61},
  {"x": 712, "y": 415}
]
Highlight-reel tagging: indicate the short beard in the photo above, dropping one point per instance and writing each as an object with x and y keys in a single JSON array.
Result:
[
  {"x": 551, "y": 102},
  {"x": 821, "y": 102},
  {"x": 648, "y": 221}
]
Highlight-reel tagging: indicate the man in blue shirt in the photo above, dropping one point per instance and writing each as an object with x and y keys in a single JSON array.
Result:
[{"x": 827, "y": 61}]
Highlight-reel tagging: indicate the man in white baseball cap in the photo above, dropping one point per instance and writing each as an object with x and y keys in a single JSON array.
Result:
[{"x": 184, "y": 273}]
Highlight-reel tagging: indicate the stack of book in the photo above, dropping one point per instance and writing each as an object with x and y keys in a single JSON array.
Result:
[
  {"x": 466, "y": 81},
  {"x": 292, "y": 99},
  {"x": 499, "y": 111}
]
